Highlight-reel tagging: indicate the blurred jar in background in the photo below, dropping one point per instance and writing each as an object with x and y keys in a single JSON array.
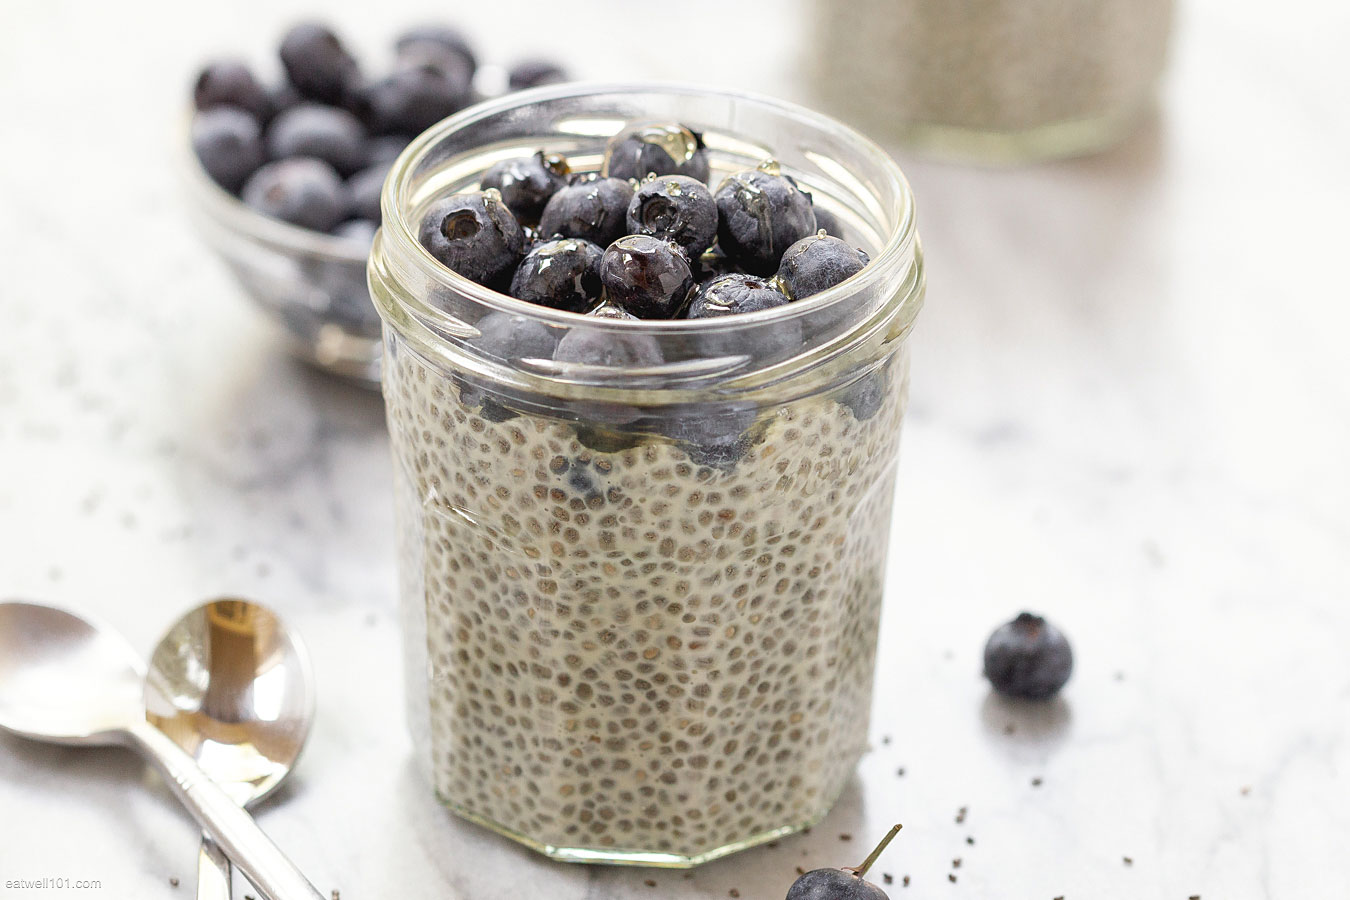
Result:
[{"x": 992, "y": 80}]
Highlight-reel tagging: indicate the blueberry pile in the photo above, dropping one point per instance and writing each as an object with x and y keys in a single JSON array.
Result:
[
  {"x": 645, "y": 237},
  {"x": 314, "y": 150}
]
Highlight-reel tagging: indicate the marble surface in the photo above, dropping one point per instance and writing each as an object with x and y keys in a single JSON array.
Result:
[{"x": 1131, "y": 411}]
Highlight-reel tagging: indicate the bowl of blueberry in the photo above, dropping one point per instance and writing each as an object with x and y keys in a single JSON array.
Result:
[{"x": 284, "y": 180}]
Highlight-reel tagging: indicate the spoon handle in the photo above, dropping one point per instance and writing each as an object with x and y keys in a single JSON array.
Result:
[
  {"x": 213, "y": 872},
  {"x": 252, "y": 851}
]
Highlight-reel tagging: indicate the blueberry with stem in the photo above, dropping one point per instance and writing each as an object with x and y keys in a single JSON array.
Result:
[{"x": 842, "y": 884}]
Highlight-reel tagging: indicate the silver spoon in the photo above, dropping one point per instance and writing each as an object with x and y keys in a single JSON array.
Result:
[
  {"x": 233, "y": 687},
  {"x": 67, "y": 679}
]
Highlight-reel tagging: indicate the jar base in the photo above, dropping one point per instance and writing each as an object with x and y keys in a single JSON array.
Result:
[
  {"x": 608, "y": 856},
  {"x": 1060, "y": 140}
]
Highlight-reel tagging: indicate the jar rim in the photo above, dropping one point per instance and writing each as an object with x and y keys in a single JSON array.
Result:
[{"x": 396, "y": 227}]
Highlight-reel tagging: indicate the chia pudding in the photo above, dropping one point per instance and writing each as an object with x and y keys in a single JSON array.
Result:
[{"x": 641, "y": 598}]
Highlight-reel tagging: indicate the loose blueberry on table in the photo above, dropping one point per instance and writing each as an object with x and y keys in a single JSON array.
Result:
[
  {"x": 842, "y": 884},
  {"x": 1028, "y": 658},
  {"x": 326, "y": 109}
]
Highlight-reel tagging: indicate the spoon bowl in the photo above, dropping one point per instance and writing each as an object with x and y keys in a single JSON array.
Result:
[
  {"x": 65, "y": 678},
  {"x": 233, "y": 686}
]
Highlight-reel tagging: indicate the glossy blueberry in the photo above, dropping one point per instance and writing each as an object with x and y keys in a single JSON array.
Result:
[
  {"x": 1028, "y": 657},
  {"x": 562, "y": 274},
  {"x": 595, "y": 210},
  {"x": 726, "y": 295},
  {"x": 607, "y": 348},
  {"x": 303, "y": 191},
  {"x": 716, "y": 437},
  {"x": 323, "y": 132},
  {"x": 363, "y": 192},
  {"x": 834, "y": 884},
  {"x": 527, "y": 183},
  {"x": 646, "y": 276},
  {"x": 317, "y": 63},
  {"x": 761, "y": 215},
  {"x": 656, "y": 149},
  {"x": 675, "y": 208},
  {"x": 442, "y": 37},
  {"x": 424, "y": 88},
  {"x": 475, "y": 235},
  {"x": 864, "y": 397},
  {"x": 530, "y": 73},
  {"x": 818, "y": 262},
  {"x": 506, "y": 337},
  {"x": 228, "y": 82},
  {"x": 229, "y": 145}
]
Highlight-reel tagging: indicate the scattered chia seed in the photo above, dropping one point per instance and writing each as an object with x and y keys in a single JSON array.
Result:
[
  {"x": 900, "y": 772},
  {"x": 885, "y": 738},
  {"x": 951, "y": 878},
  {"x": 801, "y": 871},
  {"x": 887, "y": 878},
  {"x": 336, "y": 894},
  {"x": 173, "y": 882},
  {"x": 845, "y": 837},
  {"x": 960, "y": 815},
  {"x": 1246, "y": 790},
  {"x": 734, "y": 893},
  {"x": 650, "y": 882},
  {"x": 904, "y": 882},
  {"x": 1009, "y": 728},
  {"x": 971, "y": 841},
  {"x": 1129, "y": 861},
  {"x": 1036, "y": 782},
  {"x": 956, "y": 863}
]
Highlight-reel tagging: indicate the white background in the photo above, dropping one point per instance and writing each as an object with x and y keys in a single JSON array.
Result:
[{"x": 1131, "y": 411}]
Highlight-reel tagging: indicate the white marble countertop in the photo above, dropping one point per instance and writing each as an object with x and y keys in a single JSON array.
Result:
[{"x": 1131, "y": 411}]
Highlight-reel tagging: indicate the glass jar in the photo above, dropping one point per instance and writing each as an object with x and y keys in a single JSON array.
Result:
[
  {"x": 641, "y": 603},
  {"x": 995, "y": 80}
]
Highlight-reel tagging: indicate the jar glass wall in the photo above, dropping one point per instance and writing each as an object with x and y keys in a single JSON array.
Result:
[{"x": 641, "y": 603}]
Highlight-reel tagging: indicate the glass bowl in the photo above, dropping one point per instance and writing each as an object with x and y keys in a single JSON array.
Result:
[{"x": 312, "y": 284}]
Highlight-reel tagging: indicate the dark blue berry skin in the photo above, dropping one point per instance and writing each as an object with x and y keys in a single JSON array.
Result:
[
  {"x": 526, "y": 184},
  {"x": 323, "y": 132},
  {"x": 475, "y": 235},
  {"x": 712, "y": 437},
  {"x": 228, "y": 82},
  {"x": 317, "y": 63},
  {"x": 302, "y": 191},
  {"x": 534, "y": 73},
  {"x": 229, "y": 144},
  {"x": 506, "y": 337},
  {"x": 761, "y": 215},
  {"x": 818, "y": 262},
  {"x": 443, "y": 37},
  {"x": 594, "y": 210},
  {"x": 727, "y": 295},
  {"x": 675, "y": 208},
  {"x": 383, "y": 150},
  {"x": 424, "y": 88},
  {"x": 281, "y": 98},
  {"x": 828, "y": 222},
  {"x": 646, "y": 276},
  {"x": 595, "y": 348},
  {"x": 864, "y": 397},
  {"x": 1028, "y": 658},
  {"x": 656, "y": 149},
  {"x": 363, "y": 192},
  {"x": 561, "y": 274},
  {"x": 834, "y": 884}
]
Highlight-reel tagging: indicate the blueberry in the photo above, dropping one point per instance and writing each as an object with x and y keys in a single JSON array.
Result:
[
  {"x": 363, "y": 192},
  {"x": 828, "y": 222},
  {"x": 656, "y": 149},
  {"x": 344, "y": 285},
  {"x": 527, "y": 183},
  {"x": 506, "y": 337},
  {"x": 675, "y": 208},
  {"x": 317, "y": 63},
  {"x": 562, "y": 274},
  {"x": 442, "y": 37},
  {"x": 475, "y": 235},
  {"x": 281, "y": 98},
  {"x": 383, "y": 150},
  {"x": 302, "y": 191},
  {"x": 726, "y": 295},
  {"x": 424, "y": 88},
  {"x": 1028, "y": 657},
  {"x": 818, "y": 262},
  {"x": 228, "y": 82},
  {"x": 761, "y": 215},
  {"x": 864, "y": 397},
  {"x": 360, "y": 231},
  {"x": 716, "y": 437},
  {"x": 646, "y": 276},
  {"x": 594, "y": 210},
  {"x": 323, "y": 132},
  {"x": 534, "y": 73},
  {"x": 229, "y": 144},
  {"x": 842, "y": 884},
  {"x": 606, "y": 348}
]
